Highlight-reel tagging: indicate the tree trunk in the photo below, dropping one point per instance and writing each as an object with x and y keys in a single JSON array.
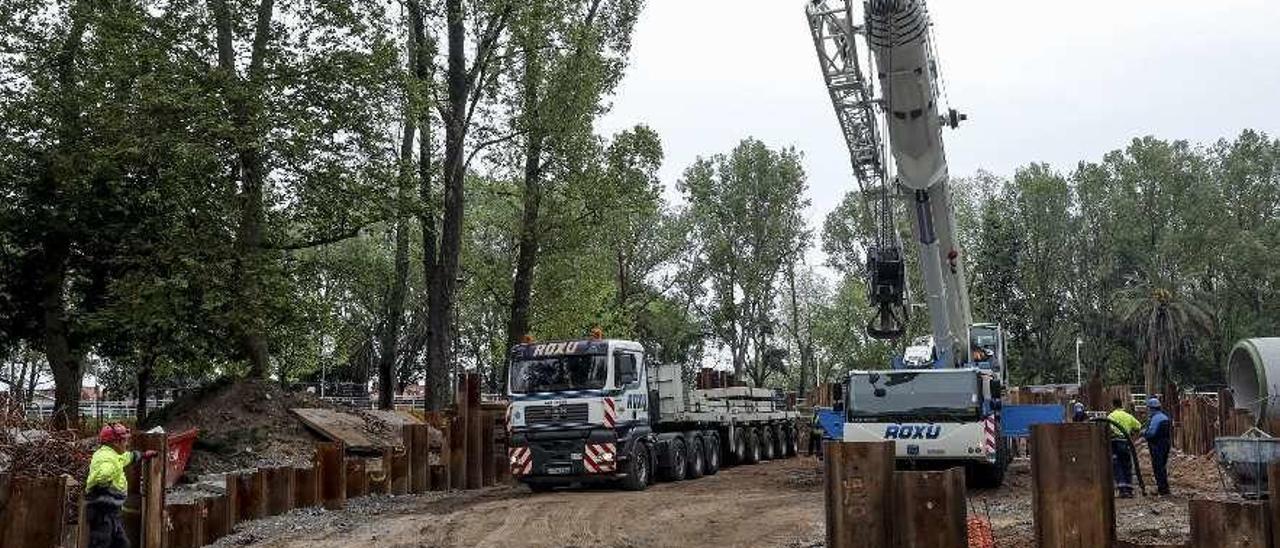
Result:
[
  {"x": 795, "y": 327},
  {"x": 64, "y": 359},
  {"x": 144, "y": 388},
  {"x": 434, "y": 383},
  {"x": 440, "y": 341},
  {"x": 1149, "y": 372},
  {"x": 395, "y": 298},
  {"x": 527, "y": 255},
  {"x": 250, "y": 171}
]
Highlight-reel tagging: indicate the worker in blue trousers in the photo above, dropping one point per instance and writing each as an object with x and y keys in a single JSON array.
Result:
[{"x": 1159, "y": 436}]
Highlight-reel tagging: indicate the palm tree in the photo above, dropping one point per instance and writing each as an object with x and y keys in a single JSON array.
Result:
[{"x": 1162, "y": 321}]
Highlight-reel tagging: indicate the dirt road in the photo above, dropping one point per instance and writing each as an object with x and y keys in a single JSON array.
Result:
[
  {"x": 778, "y": 504},
  {"x": 774, "y": 504}
]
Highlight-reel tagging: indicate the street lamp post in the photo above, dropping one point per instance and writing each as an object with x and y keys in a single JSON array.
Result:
[{"x": 1078, "y": 343}]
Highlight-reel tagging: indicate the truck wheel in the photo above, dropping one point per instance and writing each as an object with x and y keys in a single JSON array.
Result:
[
  {"x": 679, "y": 464},
  {"x": 779, "y": 442},
  {"x": 697, "y": 458},
  {"x": 793, "y": 441},
  {"x": 766, "y": 443},
  {"x": 712, "y": 443},
  {"x": 752, "y": 440},
  {"x": 738, "y": 446},
  {"x": 638, "y": 476}
]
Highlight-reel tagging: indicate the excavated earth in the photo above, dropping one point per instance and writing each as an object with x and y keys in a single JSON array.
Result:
[
  {"x": 777, "y": 504},
  {"x": 247, "y": 423}
]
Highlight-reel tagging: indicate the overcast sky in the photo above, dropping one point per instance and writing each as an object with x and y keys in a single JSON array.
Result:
[{"x": 1042, "y": 81}]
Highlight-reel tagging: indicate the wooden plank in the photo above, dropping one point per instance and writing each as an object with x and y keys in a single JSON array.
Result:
[
  {"x": 475, "y": 434},
  {"x": 397, "y": 469},
  {"x": 419, "y": 472},
  {"x": 378, "y": 472},
  {"x": 217, "y": 518},
  {"x": 357, "y": 478},
  {"x": 338, "y": 426},
  {"x": 82, "y": 524},
  {"x": 251, "y": 496},
  {"x": 1228, "y": 524},
  {"x": 458, "y": 441},
  {"x": 859, "y": 496},
  {"x": 34, "y": 513},
  {"x": 333, "y": 475},
  {"x": 488, "y": 471},
  {"x": 930, "y": 510},
  {"x": 185, "y": 525},
  {"x": 445, "y": 465},
  {"x": 1273, "y": 501},
  {"x": 306, "y": 488},
  {"x": 1071, "y": 485},
  {"x": 279, "y": 482},
  {"x": 232, "y": 483},
  {"x": 152, "y": 488}
]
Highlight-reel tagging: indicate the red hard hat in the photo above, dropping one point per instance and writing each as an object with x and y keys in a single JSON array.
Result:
[{"x": 112, "y": 433}]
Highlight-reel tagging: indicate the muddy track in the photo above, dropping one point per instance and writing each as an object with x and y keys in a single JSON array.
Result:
[{"x": 773, "y": 504}]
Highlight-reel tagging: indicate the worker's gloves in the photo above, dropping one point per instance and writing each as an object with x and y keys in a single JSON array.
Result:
[{"x": 149, "y": 454}]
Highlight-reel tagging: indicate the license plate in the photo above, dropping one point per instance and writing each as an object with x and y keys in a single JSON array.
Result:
[{"x": 559, "y": 470}]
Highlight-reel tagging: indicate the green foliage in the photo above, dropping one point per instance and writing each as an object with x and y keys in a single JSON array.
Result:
[
  {"x": 1161, "y": 254},
  {"x": 746, "y": 210}
]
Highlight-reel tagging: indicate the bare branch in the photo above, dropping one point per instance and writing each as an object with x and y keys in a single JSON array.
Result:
[{"x": 486, "y": 144}]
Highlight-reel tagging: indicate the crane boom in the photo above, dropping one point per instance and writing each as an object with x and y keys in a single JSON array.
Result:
[{"x": 896, "y": 33}]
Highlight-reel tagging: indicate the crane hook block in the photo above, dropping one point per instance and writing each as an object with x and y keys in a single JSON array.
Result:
[{"x": 887, "y": 288}]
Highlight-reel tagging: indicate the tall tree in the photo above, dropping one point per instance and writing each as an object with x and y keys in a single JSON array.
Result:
[
  {"x": 572, "y": 54},
  {"x": 465, "y": 82},
  {"x": 747, "y": 209}
]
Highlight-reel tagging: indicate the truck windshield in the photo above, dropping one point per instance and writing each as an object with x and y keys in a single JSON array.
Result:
[
  {"x": 557, "y": 373},
  {"x": 934, "y": 396}
]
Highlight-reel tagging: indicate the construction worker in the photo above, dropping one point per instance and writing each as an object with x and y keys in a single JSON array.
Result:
[
  {"x": 1078, "y": 413},
  {"x": 105, "y": 489},
  {"x": 1123, "y": 427},
  {"x": 1159, "y": 436},
  {"x": 815, "y": 436}
]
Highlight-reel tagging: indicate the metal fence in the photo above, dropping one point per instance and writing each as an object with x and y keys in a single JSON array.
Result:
[
  {"x": 103, "y": 409},
  {"x": 127, "y": 409}
]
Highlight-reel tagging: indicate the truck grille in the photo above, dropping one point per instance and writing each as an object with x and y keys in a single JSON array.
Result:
[{"x": 546, "y": 414}]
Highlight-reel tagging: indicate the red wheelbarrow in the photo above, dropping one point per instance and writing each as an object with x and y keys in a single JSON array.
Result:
[{"x": 177, "y": 456}]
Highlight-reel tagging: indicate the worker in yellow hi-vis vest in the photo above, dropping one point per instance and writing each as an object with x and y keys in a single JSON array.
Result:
[
  {"x": 1123, "y": 427},
  {"x": 106, "y": 486}
]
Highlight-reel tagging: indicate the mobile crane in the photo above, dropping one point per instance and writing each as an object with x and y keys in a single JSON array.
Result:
[{"x": 942, "y": 406}]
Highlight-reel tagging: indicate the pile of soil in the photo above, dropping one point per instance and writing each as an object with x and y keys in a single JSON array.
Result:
[{"x": 247, "y": 424}]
